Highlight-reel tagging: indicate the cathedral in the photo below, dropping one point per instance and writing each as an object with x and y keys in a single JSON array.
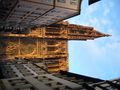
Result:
[{"x": 34, "y": 46}]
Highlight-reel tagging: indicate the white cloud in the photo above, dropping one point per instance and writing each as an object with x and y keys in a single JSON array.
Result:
[
  {"x": 106, "y": 11},
  {"x": 111, "y": 4},
  {"x": 95, "y": 51},
  {"x": 105, "y": 21},
  {"x": 91, "y": 9},
  {"x": 102, "y": 52},
  {"x": 94, "y": 21},
  {"x": 107, "y": 8},
  {"x": 110, "y": 48}
]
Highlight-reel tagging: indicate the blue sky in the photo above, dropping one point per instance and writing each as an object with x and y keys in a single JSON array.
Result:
[{"x": 98, "y": 58}]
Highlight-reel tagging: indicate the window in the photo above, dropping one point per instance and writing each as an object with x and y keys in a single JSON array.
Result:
[
  {"x": 49, "y": 0},
  {"x": 73, "y": 2},
  {"x": 62, "y": 1}
]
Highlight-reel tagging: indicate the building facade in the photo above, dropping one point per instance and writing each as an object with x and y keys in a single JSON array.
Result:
[
  {"x": 26, "y": 75},
  {"x": 48, "y": 44}
]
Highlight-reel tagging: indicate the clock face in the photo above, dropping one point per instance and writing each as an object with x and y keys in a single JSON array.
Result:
[{"x": 28, "y": 46}]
